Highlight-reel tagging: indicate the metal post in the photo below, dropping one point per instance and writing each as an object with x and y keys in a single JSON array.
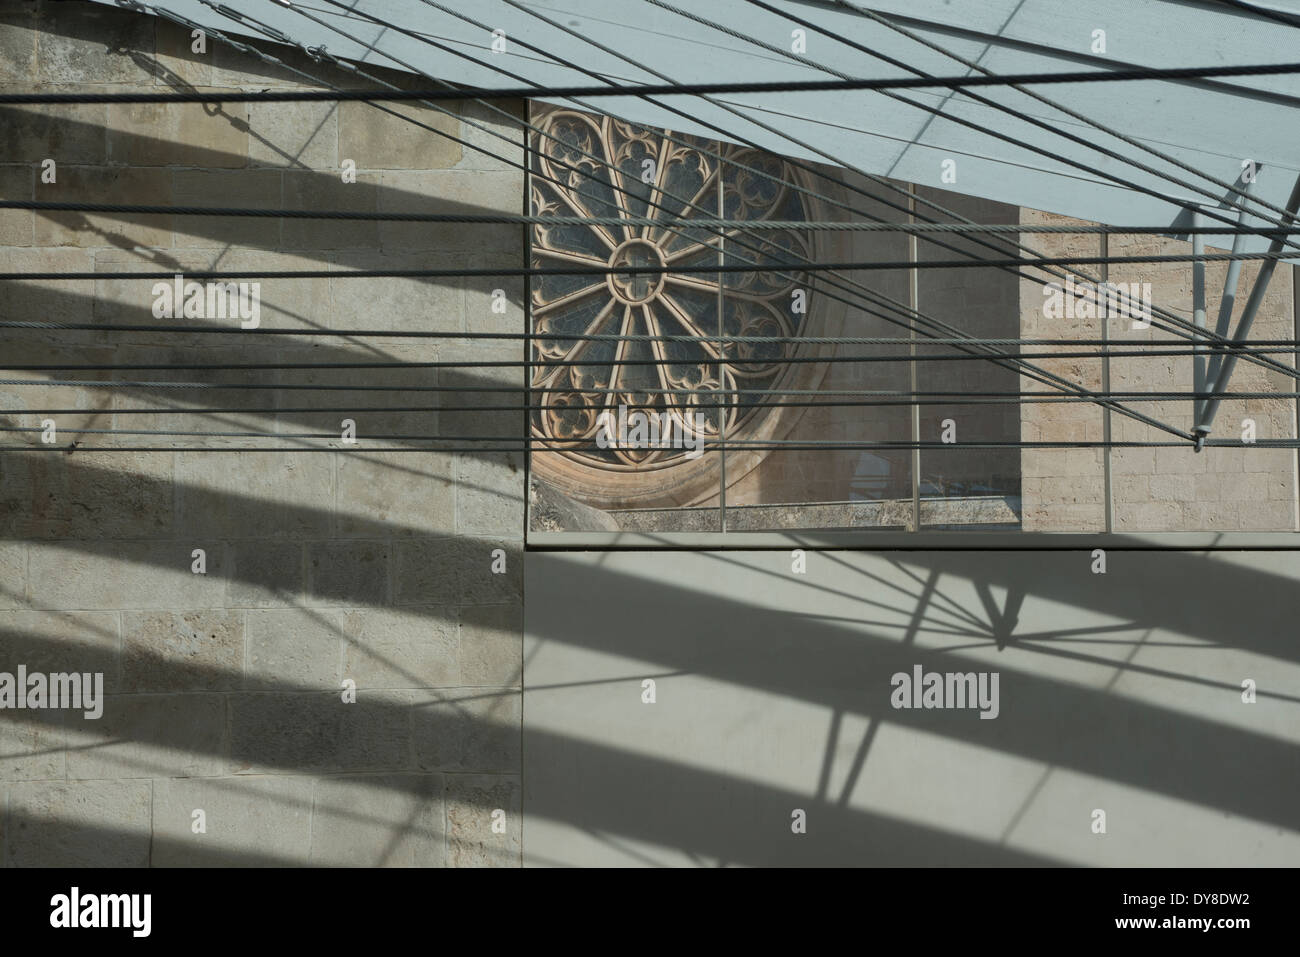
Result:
[
  {"x": 913, "y": 302},
  {"x": 1226, "y": 303},
  {"x": 722, "y": 352},
  {"x": 1247, "y": 318},
  {"x": 1107, "y": 486},
  {"x": 1198, "y": 320}
]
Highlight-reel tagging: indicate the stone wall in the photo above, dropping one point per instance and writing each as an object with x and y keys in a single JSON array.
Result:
[
  {"x": 1241, "y": 488},
  {"x": 225, "y": 689}
]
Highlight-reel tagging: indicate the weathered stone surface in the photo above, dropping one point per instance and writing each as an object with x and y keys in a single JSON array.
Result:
[
  {"x": 394, "y": 494},
  {"x": 178, "y": 134},
  {"x": 491, "y": 645},
  {"x": 550, "y": 510},
  {"x": 16, "y": 183},
  {"x": 413, "y": 647},
  {"x": 265, "y": 574},
  {"x": 300, "y": 135},
  {"x": 182, "y": 651},
  {"x": 210, "y": 677},
  {"x": 61, "y": 641},
  {"x": 285, "y": 303},
  {"x": 221, "y": 65},
  {"x": 78, "y": 824},
  {"x": 449, "y": 192},
  {"x": 37, "y": 405},
  {"x": 252, "y": 189},
  {"x": 250, "y": 821},
  {"x": 484, "y": 294},
  {"x": 484, "y": 126},
  {"x": 393, "y": 820},
  {"x": 95, "y": 495},
  {"x": 309, "y": 190},
  {"x": 126, "y": 574},
  {"x": 98, "y": 184},
  {"x": 432, "y": 304},
  {"x": 471, "y": 801},
  {"x": 294, "y": 648},
  {"x": 348, "y": 573},
  {"x": 83, "y": 43},
  {"x": 375, "y": 139},
  {"x": 317, "y": 732},
  {"x": 52, "y": 300},
  {"x": 490, "y": 494},
  {"x": 149, "y": 736},
  {"x": 30, "y": 750},
  {"x": 71, "y": 134},
  {"x": 123, "y": 300},
  {"x": 18, "y": 44},
  {"x": 267, "y": 495},
  {"x": 467, "y": 730},
  {"x": 448, "y": 570},
  {"x": 13, "y": 574}
]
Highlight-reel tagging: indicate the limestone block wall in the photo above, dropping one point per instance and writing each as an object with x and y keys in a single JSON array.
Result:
[
  {"x": 1062, "y": 489},
  {"x": 1242, "y": 488},
  {"x": 225, "y": 690}
]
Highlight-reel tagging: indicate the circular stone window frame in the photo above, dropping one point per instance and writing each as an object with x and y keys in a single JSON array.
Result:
[{"x": 681, "y": 482}]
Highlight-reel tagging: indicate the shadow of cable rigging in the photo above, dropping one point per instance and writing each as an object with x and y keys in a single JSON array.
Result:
[{"x": 828, "y": 665}]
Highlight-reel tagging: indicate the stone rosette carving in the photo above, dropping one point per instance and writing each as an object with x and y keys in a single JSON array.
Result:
[{"x": 575, "y": 379}]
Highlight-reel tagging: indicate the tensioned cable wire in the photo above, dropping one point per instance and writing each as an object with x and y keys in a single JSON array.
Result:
[
  {"x": 570, "y": 444},
  {"x": 621, "y": 337},
  {"x": 911, "y": 194},
  {"x": 1020, "y": 366},
  {"x": 787, "y": 54},
  {"x": 611, "y": 337},
  {"x": 912, "y": 315},
  {"x": 881, "y": 181},
  {"x": 861, "y": 398},
  {"x": 1185, "y": 324},
  {"x": 1275, "y": 15},
  {"x": 558, "y": 445},
  {"x": 737, "y": 397},
  {"x": 588, "y": 40},
  {"x": 199, "y": 98},
  {"x": 901, "y": 399},
  {"x": 969, "y": 124},
  {"x": 663, "y": 89},
  {"x": 892, "y": 61},
  {"x": 710, "y": 269},
  {"x": 603, "y": 269},
  {"x": 1133, "y": 350},
  {"x": 515, "y": 219},
  {"x": 1232, "y": 188},
  {"x": 316, "y": 52}
]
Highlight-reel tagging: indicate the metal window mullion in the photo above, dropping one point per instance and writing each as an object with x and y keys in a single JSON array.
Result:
[
  {"x": 722, "y": 352},
  {"x": 1107, "y": 487},
  {"x": 913, "y": 301}
]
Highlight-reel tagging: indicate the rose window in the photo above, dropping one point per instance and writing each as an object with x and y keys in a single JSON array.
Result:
[{"x": 655, "y": 336}]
